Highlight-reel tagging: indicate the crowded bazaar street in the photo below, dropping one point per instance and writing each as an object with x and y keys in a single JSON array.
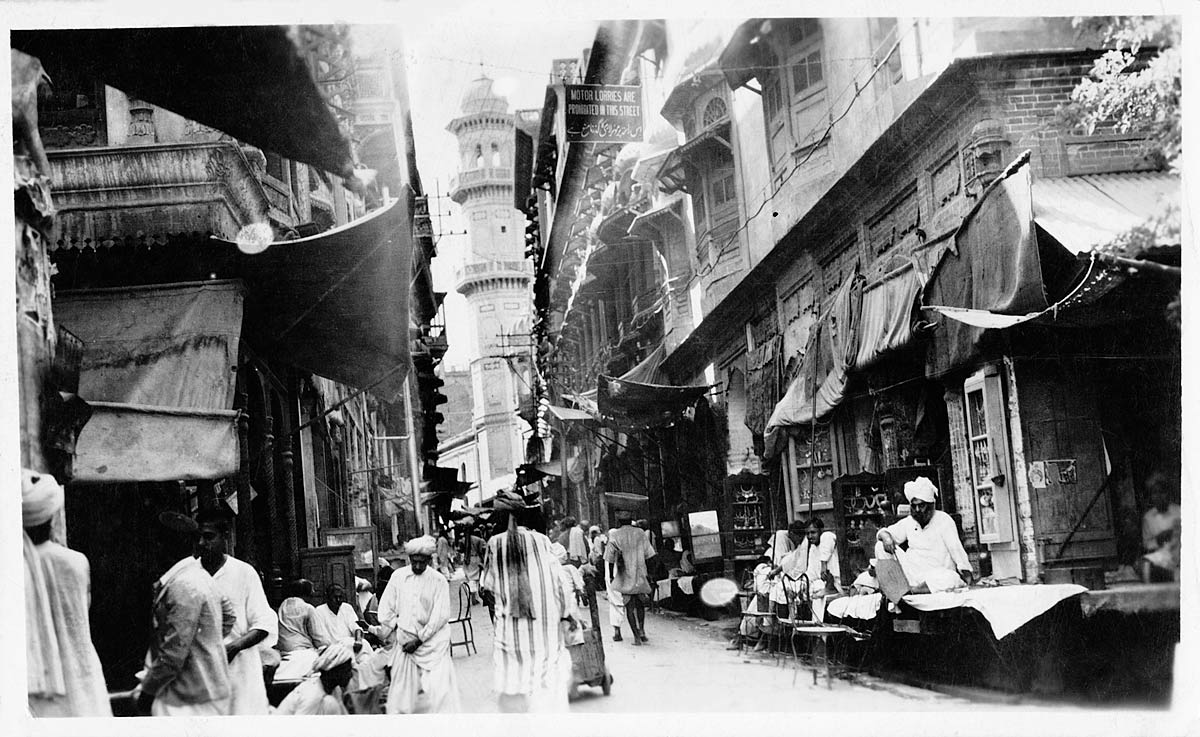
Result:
[{"x": 484, "y": 359}]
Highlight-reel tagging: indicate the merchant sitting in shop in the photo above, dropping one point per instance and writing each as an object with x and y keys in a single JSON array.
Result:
[{"x": 934, "y": 559}]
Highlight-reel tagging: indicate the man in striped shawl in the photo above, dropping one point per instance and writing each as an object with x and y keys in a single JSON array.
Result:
[{"x": 532, "y": 667}]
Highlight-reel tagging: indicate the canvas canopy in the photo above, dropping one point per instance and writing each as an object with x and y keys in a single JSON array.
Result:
[{"x": 158, "y": 368}]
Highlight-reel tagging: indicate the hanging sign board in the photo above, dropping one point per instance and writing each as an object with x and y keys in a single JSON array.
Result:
[{"x": 604, "y": 113}]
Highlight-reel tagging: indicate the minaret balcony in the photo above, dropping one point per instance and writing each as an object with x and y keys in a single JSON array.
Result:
[{"x": 474, "y": 180}]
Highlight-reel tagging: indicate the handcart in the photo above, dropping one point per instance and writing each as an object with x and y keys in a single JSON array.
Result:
[{"x": 587, "y": 659}]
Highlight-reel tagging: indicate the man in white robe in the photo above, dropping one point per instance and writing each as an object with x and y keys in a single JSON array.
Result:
[
  {"x": 532, "y": 670},
  {"x": 816, "y": 558},
  {"x": 64, "y": 674},
  {"x": 336, "y": 620},
  {"x": 935, "y": 559},
  {"x": 256, "y": 622},
  {"x": 187, "y": 669},
  {"x": 414, "y": 612}
]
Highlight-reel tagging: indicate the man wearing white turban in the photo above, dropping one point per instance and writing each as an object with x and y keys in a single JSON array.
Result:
[
  {"x": 414, "y": 611},
  {"x": 322, "y": 692},
  {"x": 64, "y": 677},
  {"x": 935, "y": 559}
]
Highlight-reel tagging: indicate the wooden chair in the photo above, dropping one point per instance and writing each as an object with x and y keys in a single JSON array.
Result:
[{"x": 463, "y": 619}]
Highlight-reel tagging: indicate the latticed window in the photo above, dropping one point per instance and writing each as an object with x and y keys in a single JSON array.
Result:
[{"x": 714, "y": 112}]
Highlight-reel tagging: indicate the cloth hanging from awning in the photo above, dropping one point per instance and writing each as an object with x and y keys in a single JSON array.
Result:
[
  {"x": 887, "y": 316},
  {"x": 336, "y": 304},
  {"x": 159, "y": 370},
  {"x": 633, "y": 405},
  {"x": 996, "y": 268},
  {"x": 763, "y": 370},
  {"x": 251, "y": 82},
  {"x": 820, "y": 384}
]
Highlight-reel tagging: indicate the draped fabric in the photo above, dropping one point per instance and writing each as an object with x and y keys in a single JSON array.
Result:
[
  {"x": 635, "y": 406},
  {"x": 995, "y": 266},
  {"x": 156, "y": 367},
  {"x": 820, "y": 384},
  {"x": 762, "y": 383}
]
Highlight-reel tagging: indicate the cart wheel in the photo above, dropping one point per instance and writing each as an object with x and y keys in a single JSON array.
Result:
[{"x": 606, "y": 686}]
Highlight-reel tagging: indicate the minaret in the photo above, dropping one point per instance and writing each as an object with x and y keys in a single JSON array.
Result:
[{"x": 495, "y": 278}]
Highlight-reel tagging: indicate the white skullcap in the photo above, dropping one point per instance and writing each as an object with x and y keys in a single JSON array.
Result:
[
  {"x": 558, "y": 551},
  {"x": 361, "y": 584},
  {"x": 424, "y": 545},
  {"x": 41, "y": 498},
  {"x": 333, "y": 656},
  {"x": 920, "y": 488}
]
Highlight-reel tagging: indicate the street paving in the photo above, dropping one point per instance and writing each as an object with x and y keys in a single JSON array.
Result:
[{"x": 688, "y": 667}]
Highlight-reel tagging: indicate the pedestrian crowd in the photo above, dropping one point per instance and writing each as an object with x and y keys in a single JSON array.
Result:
[{"x": 216, "y": 646}]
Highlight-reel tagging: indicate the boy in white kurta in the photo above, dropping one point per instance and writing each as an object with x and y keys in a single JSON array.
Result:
[{"x": 256, "y": 622}]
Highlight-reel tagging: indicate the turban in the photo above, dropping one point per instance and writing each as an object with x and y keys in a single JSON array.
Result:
[
  {"x": 593, "y": 528},
  {"x": 332, "y": 656},
  {"x": 558, "y": 551},
  {"x": 41, "y": 498},
  {"x": 424, "y": 545},
  {"x": 920, "y": 488},
  {"x": 361, "y": 584}
]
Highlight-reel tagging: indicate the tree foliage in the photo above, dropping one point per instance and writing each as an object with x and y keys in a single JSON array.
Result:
[{"x": 1135, "y": 85}]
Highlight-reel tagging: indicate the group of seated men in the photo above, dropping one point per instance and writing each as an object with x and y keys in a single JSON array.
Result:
[{"x": 800, "y": 567}]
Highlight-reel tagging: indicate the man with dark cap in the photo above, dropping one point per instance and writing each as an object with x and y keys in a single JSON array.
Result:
[
  {"x": 187, "y": 672},
  {"x": 256, "y": 622}
]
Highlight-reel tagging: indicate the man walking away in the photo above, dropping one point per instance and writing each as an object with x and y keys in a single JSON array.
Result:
[
  {"x": 532, "y": 668},
  {"x": 256, "y": 622},
  {"x": 64, "y": 676},
  {"x": 415, "y": 610},
  {"x": 616, "y": 602},
  {"x": 626, "y": 556},
  {"x": 187, "y": 671}
]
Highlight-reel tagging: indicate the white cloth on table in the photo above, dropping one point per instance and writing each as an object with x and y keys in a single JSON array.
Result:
[
  {"x": 59, "y": 641},
  {"x": 239, "y": 583},
  {"x": 296, "y": 664},
  {"x": 933, "y": 551},
  {"x": 662, "y": 589},
  {"x": 417, "y": 606},
  {"x": 687, "y": 584},
  {"x": 1005, "y": 608},
  {"x": 310, "y": 698},
  {"x": 331, "y": 627},
  {"x": 863, "y": 606}
]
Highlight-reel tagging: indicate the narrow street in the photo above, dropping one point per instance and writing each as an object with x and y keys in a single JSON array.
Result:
[{"x": 687, "y": 667}]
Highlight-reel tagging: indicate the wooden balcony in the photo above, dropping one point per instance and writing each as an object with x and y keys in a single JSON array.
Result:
[{"x": 149, "y": 192}]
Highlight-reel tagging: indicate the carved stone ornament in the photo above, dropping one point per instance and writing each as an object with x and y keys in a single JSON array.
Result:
[{"x": 985, "y": 155}]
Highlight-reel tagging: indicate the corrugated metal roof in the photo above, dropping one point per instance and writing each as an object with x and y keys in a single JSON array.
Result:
[{"x": 1089, "y": 211}]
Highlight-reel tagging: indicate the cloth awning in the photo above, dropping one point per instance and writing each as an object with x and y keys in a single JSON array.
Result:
[
  {"x": 820, "y": 384},
  {"x": 336, "y": 304},
  {"x": 681, "y": 164},
  {"x": 1087, "y": 212},
  {"x": 251, "y": 82},
  {"x": 157, "y": 369},
  {"x": 996, "y": 268},
  {"x": 887, "y": 316},
  {"x": 633, "y": 405},
  {"x": 566, "y": 414},
  {"x": 1082, "y": 214},
  {"x": 745, "y": 54}
]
